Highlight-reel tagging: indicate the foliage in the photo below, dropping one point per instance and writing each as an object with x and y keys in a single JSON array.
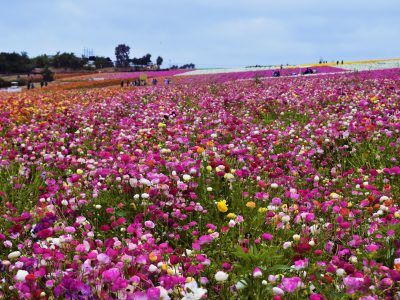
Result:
[
  {"x": 159, "y": 61},
  {"x": 122, "y": 55}
]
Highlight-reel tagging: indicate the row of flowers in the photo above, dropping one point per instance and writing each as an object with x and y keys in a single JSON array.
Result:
[{"x": 282, "y": 188}]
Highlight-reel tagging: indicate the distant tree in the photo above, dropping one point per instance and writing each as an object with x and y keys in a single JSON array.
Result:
[
  {"x": 187, "y": 66},
  {"x": 174, "y": 67},
  {"x": 122, "y": 55},
  {"x": 147, "y": 59},
  {"x": 67, "y": 60},
  {"x": 42, "y": 61},
  {"x": 47, "y": 74},
  {"x": 102, "y": 62},
  {"x": 159, "y": 61},
  {"x": 15, "y": 62}
]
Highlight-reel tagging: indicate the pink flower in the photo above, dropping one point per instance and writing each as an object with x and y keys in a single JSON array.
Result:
[
  {"x": 149, "y": 224},
  {"x": 301, "y": 264},
  {"x": 257, "y": 272},
  {"x": 153, "y": 293},
  {"x": 291, "y": 284},
  {"x": 267, "y": 236},
  {"x": 103, "y": 258},
  {"x": 111, "y": 275}
]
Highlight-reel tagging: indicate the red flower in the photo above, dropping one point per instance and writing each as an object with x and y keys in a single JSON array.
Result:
[
  {"x": 301, "y": 248},
  {"x": 30, "y": 278}
]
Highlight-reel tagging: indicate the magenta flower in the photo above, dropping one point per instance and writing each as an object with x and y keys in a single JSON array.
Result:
[
  {"x": 111, "y": 275},
  {"x": 290, "y": 284}
]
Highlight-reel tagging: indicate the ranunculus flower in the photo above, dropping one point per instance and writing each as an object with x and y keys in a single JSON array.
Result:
[
  {"x": 290, "y": 284},
  {"x": 111, "y": 275},
  {"x": 221, "y": 276},
  {"x": 222, "y": 206},
  {"x": 21, "y": 275}
]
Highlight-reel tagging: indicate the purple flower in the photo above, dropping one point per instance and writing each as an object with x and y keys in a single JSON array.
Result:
[{"x": 72, "y": 289}]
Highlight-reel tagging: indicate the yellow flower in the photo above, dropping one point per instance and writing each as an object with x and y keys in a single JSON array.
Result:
[
  {"x": 164, "y": 267},
  {"x": 262, "y": 209},
  {"x": 79, "y": 171},
  {"x": 251, "y": 204},
  {"x": 231, "y": 216},
  {"x": 228, "y": 176},
  {"x": 209, "y": 168},
  {"x": 161, "y": 125},
  {"x": 222, "y": 206},
  {"x": 153, "y": 257}
]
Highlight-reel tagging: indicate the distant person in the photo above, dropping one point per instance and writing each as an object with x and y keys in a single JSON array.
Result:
[
  {"x": 122, "y": 83},
  {"x": 127, "y": 83},
  {"x": 41, "y": 84},
  {"x": 337, "y": 62},
  {"x": 28, "y": 85},
  {"x": 32, "y": 85},
  {"x": 45, "y": 83},
  {"x": 342, "y": 61}
]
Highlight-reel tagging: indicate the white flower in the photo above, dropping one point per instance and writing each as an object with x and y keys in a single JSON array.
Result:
[
  {"x": 145, "y": 181},
  {"x": 186, "y": 177},
  {"x": 152, "y": 268},
  {"x": 21, "y": 274},
  {"x": 314, "y": 229},
  {"x": 163, "y": 293},
  {"x": 274, "y": 185},
  {"x": 14, "y": 254},
  {"x": 209, "y": 189},
  {"x": 221, "y": 276},
  {"x": 296, "y": 237},
  {"x": 287, "y": 245},
  {"x": 231, "y": 223},
  {"x": 145, "y": 196},
  {"x": 383, "y": 198},
  {"x": 316, "y": 178},
  {"x": 192, "y": 291},
  {"x": 277, "y": 291},
  {"x": 353, "y": 259},
  {"x": 133, "y": 182},
  {"x": 340, "y": 272},
  {"x": 240, "y": 285}
]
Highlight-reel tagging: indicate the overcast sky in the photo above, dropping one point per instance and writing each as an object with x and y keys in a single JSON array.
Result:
[{"x": 209, "y": 33}]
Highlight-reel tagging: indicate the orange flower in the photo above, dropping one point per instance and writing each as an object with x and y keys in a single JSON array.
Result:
[
  {"x": 251, "y": 204},
  {"x": 199, "y": 149}
]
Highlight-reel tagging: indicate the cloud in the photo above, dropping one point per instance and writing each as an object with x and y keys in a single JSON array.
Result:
[{"x": 209, "y": 33}]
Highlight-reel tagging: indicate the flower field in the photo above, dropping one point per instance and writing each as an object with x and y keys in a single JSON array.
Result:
[{"x": 283, "y": 188}]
